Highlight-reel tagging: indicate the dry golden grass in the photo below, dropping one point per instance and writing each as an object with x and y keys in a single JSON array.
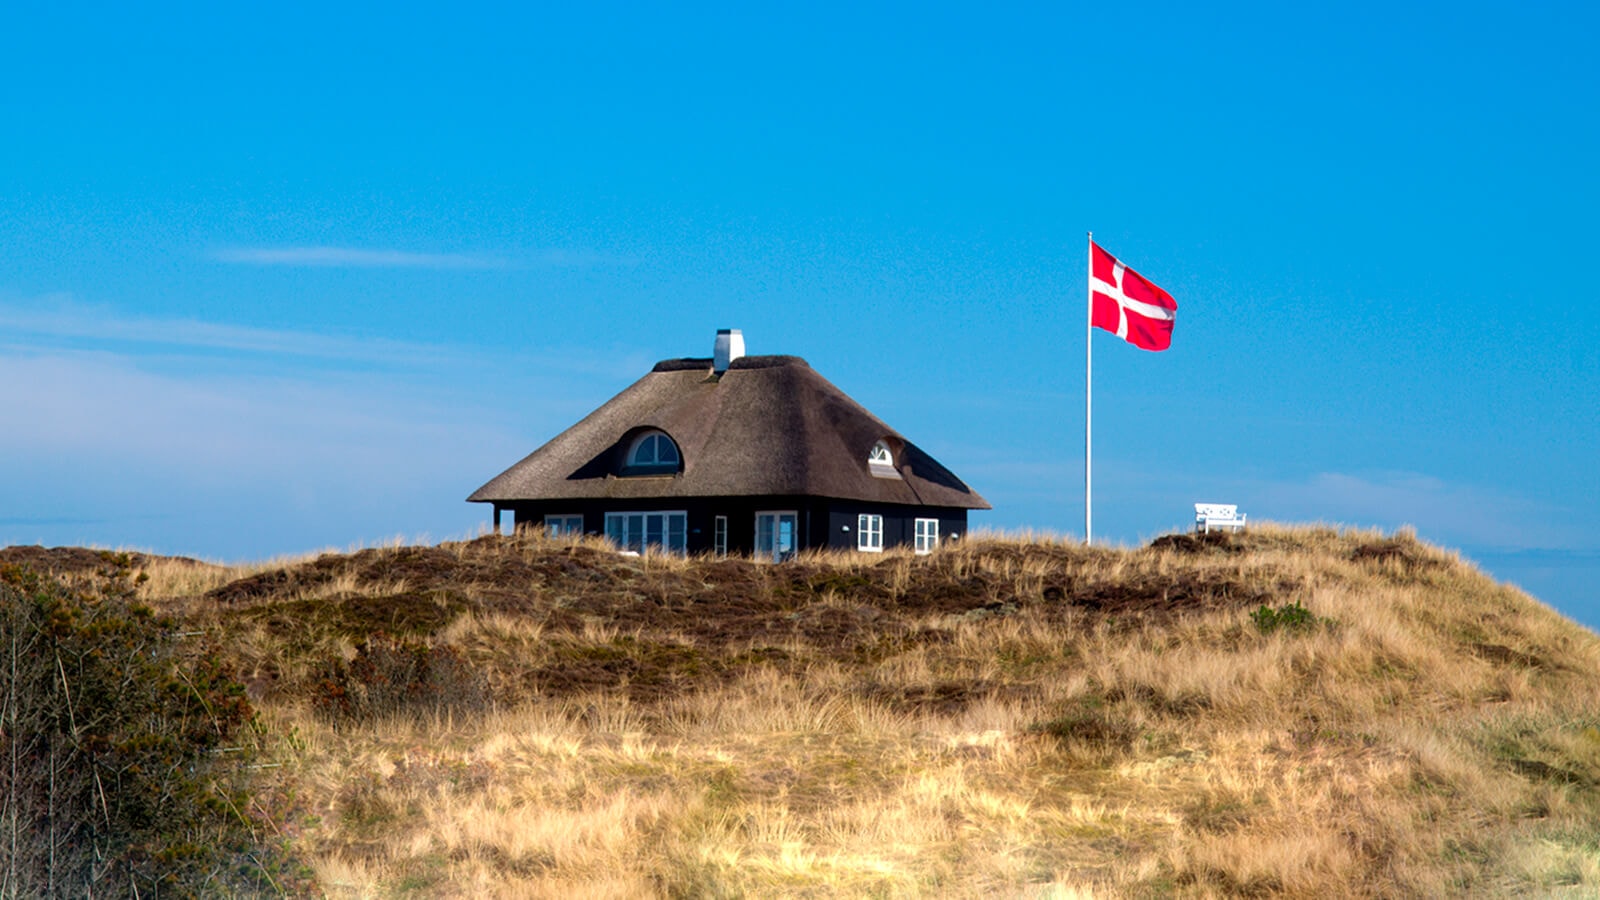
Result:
[{"x": 1009, "y": 717}]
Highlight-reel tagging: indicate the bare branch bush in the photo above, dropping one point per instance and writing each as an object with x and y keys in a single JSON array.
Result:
[{"x": 120, "y": 749}]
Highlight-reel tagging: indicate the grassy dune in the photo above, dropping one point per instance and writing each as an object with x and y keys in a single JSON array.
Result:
[{"x": 1298, "y": 711}]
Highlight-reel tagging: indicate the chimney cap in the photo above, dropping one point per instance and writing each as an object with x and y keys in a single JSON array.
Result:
[{"x": 729, "y": 347}]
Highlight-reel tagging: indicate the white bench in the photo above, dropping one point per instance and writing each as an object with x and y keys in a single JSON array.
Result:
[{"x": 1218, "y": 515}]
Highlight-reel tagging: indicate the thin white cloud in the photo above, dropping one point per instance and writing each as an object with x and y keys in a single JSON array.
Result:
[
  {"x": 1464, "y": 514},
  {"x": 102, "y": 406},
  {"x": 53, "y": 323},
  {"x": 229, "y": 441},
  {"x": 360, "y": 258},
  {"x": 61, "y": 318},
  {"x": 99, "y": 450},
  {"x": 355, "y": 258},
  {"x": 86, "y": 378},
  {"x": 248, "y": 461}
]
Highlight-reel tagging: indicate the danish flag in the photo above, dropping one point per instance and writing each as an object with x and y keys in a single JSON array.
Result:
[{"x": 1126, "y": 304}]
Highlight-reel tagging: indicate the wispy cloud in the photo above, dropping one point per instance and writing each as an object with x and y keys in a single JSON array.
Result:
[
  {"x": 203, "y": 452},
  {"x": 60, "y": 317},
  {"x": 355, "y": 258},
  {"x": 96, "y": 378},
  {"x": 100, "y": 449},
  {"x": 57, "y": 324},
  {"x": 362, "y": 258},
  {"x": 1468, "y": 514},
  {"x": 108, "y": 409}
]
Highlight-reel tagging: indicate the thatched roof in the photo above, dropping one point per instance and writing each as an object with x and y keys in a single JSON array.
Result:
[{"x": 769, "y": 425}]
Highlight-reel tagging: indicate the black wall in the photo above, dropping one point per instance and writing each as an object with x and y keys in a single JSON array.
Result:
[
  {"x": 822, "y": 522},
  {"x": 899, "y": 522}
]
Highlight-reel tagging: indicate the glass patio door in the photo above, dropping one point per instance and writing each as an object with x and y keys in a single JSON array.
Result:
[
  {"x": 777, "y": 535},
  {"x": 638, "y": 531}
]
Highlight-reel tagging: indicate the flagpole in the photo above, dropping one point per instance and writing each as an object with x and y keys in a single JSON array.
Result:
[{"x": 1088, "y": 403}]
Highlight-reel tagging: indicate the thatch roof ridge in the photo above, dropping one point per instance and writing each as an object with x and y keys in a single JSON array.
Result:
[
  {"x": 701, "y": 363},
  {"x": 686, "y": 364}
]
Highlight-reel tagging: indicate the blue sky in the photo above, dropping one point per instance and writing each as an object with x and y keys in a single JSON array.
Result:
[{"x": 283, "y": 278}]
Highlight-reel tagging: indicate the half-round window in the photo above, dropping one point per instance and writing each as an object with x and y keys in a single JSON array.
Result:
[
  {"x": 653, "y": 451},
  {"x": 880, "y": 461}
]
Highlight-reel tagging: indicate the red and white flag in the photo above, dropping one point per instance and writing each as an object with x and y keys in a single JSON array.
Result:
[{"x": 1126, "y": 304}]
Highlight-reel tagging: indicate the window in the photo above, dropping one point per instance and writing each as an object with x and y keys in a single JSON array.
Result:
[
  {"x": 654, "y": 453},
  {"x": 869, "y": 533},
  {"x": 927, "y": 535},
  {"x": 563, "y": 526},
  {"x": 641, "y": 531},
  {"x": 880, "y": 462},
  {"x": 719, "y": 536}
]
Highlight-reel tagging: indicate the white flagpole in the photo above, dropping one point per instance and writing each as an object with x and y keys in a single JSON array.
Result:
[{"x": 1088, "y": 404}]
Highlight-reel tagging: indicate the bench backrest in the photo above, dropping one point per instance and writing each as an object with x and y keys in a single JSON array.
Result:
[{"x": 1216, "y": 511}]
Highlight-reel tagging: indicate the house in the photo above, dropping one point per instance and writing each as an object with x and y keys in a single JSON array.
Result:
[{"x": 735, "y": 454}]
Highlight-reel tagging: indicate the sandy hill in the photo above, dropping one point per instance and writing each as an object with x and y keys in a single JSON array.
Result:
[{"x": 1287, "y": 711}]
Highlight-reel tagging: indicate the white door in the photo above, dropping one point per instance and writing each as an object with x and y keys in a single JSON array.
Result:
[{"x": 777, "y": 535}]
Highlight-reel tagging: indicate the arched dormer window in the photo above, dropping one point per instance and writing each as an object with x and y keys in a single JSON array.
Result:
[
  {"x": 653, "y": 453},
  {"x": 880, "y": 461}
]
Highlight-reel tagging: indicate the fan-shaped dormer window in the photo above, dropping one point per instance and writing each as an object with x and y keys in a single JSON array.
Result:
[
  {"x": 880, "y": 461},
  {"x": 654, "y": 453}
]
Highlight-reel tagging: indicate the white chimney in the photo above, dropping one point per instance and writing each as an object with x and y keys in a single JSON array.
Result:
[{"x": 729, "y": 347}]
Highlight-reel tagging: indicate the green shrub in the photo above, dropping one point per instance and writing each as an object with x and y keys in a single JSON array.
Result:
[
  {"x": 1290, "y": 617},
  {"x": 118, "y": 749}
]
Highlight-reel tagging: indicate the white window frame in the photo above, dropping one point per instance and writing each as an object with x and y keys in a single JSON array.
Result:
[
  {"x": 653, "y": 440},
  {"x": 880, "y": 461},
  {"x": 719, "y": 536},
  {"x": 560, "y": 526},
  {"x": 632, "y": 531},
  {"x": 927, "y": 536},
  {"x": 869, "y": 533}
]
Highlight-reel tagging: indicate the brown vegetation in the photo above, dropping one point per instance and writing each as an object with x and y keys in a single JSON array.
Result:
[{"x": 1300, "y": 712}]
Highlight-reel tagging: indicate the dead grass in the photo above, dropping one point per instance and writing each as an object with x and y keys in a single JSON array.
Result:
[{"x": 1011, "y": 717}]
